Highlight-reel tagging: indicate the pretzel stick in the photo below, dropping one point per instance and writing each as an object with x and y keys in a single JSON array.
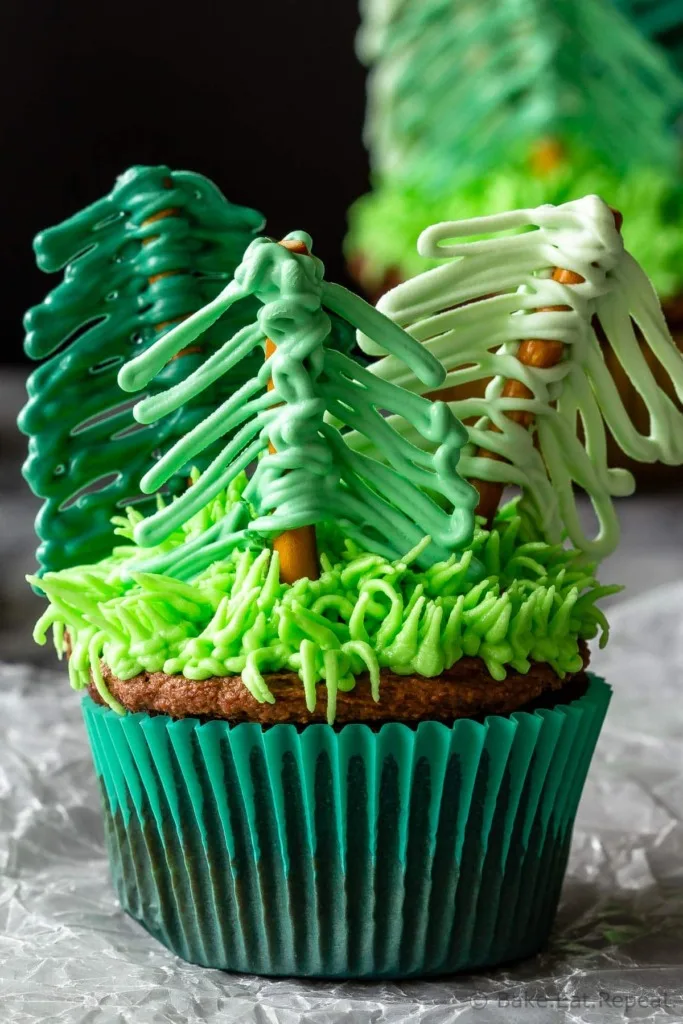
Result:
[
  {"x": 161, "y": 215},
  {"x": 297, "y": 548},
  {"x": 532, "y": 352}
]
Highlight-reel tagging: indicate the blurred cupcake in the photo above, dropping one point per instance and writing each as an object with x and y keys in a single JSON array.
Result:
[{"x": 455, "y": 132}]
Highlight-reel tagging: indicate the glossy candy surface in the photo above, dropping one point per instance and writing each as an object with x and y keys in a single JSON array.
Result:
[{"x": 154, "y": 250}]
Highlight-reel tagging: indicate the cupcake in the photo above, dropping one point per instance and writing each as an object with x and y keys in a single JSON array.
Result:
[
  {"x": 158, "y": 247},
  {"x": 341, "y": 721},
  {"x": 454, "y": 130}
]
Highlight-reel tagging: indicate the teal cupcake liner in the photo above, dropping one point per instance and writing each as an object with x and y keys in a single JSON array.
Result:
[{"x": 349, "y": 853}]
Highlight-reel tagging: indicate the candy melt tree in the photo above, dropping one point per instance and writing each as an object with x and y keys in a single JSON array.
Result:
[
  {"x": 523, "y": 311},
  {"x": 290, "y": 423},
  {"x": 159, "y": 246}
]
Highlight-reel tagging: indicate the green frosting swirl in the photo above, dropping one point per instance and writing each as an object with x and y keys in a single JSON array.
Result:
[
  {"x": 365, "y": 613},
  {"x": 488, "y": 295},
  {"x": 159, "y": 246}
]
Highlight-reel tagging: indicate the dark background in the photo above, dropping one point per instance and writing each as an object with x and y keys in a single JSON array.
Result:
[{"x": 265, "y": 98}]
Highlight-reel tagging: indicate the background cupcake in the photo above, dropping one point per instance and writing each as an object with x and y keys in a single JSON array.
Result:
[{"x": 474, "y": 109}]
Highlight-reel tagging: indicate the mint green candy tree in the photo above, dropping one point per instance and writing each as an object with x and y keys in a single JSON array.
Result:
[{"x": 290, "y": 423}]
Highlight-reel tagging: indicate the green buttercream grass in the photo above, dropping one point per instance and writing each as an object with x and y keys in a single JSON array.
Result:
[
  {"x": 388, "y": 221},
  {"x": 365, "y": 613}
]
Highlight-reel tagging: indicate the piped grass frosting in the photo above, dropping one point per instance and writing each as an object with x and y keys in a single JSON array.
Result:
[{"x": 510, "y": 599}]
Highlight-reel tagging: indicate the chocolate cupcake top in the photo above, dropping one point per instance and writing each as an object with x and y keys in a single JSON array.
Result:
[{"x": 366, "y": 614}]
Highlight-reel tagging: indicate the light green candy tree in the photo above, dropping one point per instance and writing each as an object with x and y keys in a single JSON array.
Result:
[{"x": 289, "y": 425}]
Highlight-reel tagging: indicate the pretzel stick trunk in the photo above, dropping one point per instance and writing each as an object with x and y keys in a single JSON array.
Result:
[
  {"x": 297, "y": 548},
  {"x": 161, "y": 215},
  {"x": 532, "y": 352}
]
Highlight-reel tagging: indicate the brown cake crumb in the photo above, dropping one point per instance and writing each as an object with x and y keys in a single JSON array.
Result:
[{"x": 464, "y": 691}]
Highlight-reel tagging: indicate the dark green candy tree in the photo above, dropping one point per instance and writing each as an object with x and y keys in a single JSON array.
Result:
[
  {"x": 661, "y": 21},
  {"x": 157, "y": 248}
]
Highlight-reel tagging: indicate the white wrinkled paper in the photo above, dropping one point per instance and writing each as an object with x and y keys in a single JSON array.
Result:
[{"x": 68, "y": 954}]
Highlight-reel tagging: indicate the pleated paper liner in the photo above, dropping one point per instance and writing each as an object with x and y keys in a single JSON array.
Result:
[{"x": 350, "y": 853}]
